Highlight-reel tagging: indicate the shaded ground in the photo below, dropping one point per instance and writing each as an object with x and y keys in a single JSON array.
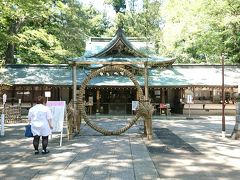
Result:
[
  {"x": 170, "y": 142},
  {"x": 194, "y": 149}
]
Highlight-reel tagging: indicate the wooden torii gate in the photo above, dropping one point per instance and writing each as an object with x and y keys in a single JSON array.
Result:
[{"x": 144, "y": 103}]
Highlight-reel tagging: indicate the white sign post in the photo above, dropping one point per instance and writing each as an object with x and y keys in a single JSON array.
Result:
[
  {"x": 134, "y": 105},
  {"x": 58, "y": 110},
  {"x": 189, "y": 101},
  {"x": 2, "y": 125},
  {"x": 2, "y": 115}
]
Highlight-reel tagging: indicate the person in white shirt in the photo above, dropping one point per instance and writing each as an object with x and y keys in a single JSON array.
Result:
[{"x": 40, "y": 118}]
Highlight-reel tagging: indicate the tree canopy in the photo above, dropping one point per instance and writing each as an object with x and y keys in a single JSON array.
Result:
[
  {"x": 201, "y": 30},
  {"x": 50, "y": 31},
  {"x": 46, "y": 31}
]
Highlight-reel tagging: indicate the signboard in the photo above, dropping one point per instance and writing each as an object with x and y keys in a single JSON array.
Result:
[
  {"x": 2, "y": 124},
  {"x": 189, "y": 98},
  {"x": 4, "y": 98},
  {"x": 47, "y": 94},
  {"x": 162, "y": 106},
  {"x": 58, "y": 109},
  {"x": 134, "y": 105}
]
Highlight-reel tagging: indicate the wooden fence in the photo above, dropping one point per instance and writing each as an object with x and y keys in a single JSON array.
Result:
[{"x": 12, "y": 114}]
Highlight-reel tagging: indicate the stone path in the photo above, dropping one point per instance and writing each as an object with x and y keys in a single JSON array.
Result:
[{"x": 181, "y": 149}]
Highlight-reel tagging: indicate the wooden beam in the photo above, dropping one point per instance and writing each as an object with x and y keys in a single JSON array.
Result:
[
  {"x": 84, "y": 62},
  {"x": 107, "y": 63}
]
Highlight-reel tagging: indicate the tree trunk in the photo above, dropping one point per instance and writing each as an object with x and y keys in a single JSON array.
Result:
[
  {"x": 9, "y": 54},
  {"x": 13, "y": 30},
  {"x": 236, "y": 130}
]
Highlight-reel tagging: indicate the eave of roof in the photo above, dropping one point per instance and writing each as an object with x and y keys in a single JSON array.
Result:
[
  {"x": 123, "y": 61},
  {"x": 174, "y": 76}
]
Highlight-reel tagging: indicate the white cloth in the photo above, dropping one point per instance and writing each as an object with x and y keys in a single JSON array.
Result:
[{"x": 39, "y": 116}]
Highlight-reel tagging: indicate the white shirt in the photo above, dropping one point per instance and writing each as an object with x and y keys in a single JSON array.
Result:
[{"x": 39, "y": 116}]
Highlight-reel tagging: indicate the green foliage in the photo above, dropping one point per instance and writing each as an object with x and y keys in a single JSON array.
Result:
[
  {"x": 196, "y": 31},
  {"x": 118, "y": 5},
  {"x": 37, "y": 46},
  {"x": 144, "y": 23},
  {"x": 199, "y": 31},
  {"x": 46, "y": 31},
  {"x": 98, "y": 22}
]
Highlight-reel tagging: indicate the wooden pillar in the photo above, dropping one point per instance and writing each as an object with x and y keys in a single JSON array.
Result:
[
  {"x": 33, "y": 93},
  {"x": 223, "y": 100},
  {"x": 74, "y": 81},
  {"x": 193, "y": 89},
  {"x": 74, "y": 95},
  {"x": 146, "y": 81},
  {"x": 13, "y": 94},
  {"x": 145, "y": 97},
  {"x": 211, "y": 94},
  {"x": 163, "y": 96},
  {"x": 147, "y": 122},
  {"x": 181, "y": 93},
  {"x": 41, "y": 90},
  {"x": 98, "y": 101},
  {"x": 70, "y": 94},
  {"x": 59, "y": 93},
  {"x": 22, "y": 90}
]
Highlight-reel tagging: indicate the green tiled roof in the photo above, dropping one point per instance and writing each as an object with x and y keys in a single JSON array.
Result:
[
  {"x": 37, "y": 74},
  {"x": 120, "y": 49},
  {"x": 95, "y": 45},
  {"x": 175, "y": 76}
]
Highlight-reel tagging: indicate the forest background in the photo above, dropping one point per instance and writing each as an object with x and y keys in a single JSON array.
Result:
[{"x": 51, "y": 31}]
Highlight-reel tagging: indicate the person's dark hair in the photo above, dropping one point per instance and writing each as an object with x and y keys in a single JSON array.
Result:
[{"x": 41, "y": 100}]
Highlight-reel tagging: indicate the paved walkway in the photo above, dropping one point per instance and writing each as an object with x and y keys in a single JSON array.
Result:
[{"x": 181, "y": 149}]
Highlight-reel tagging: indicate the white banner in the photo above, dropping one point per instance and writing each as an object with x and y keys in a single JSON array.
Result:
[
  {"x": 58, "y": 109},
  {"x": 134, "y": 105}
]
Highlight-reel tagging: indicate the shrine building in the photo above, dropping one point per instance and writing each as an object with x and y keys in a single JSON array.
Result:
[{"x": 113, "y": 92}]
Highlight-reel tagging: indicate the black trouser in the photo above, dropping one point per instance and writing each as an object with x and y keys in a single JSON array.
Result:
[{"x": 36, "y": 142}]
